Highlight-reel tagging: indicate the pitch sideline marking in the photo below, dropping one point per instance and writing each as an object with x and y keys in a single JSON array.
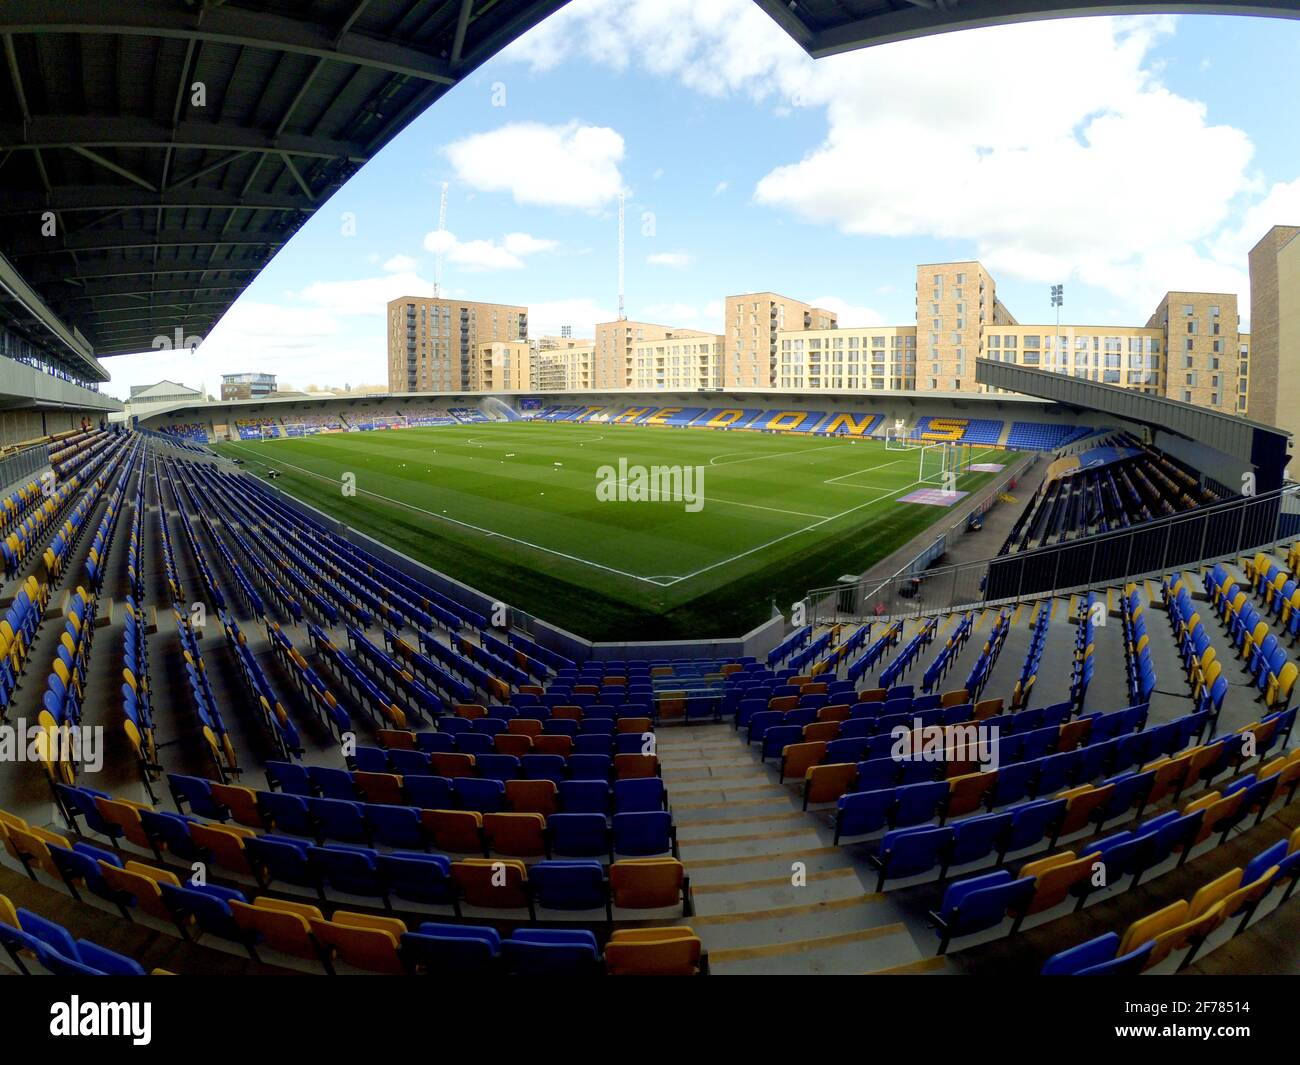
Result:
[
  {"x": 659, "y": 581},
  {"x": 770, "y": 455},
  {"x": 470, "y": 525},
  {"x": 809, "y": 528}
]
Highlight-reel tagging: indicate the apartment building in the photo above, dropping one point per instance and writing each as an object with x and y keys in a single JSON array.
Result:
[
  {"x": 683, "y": 359},
  {"x": 1273, "y": 384},
  {"x": 432, "y": 342},
  {"x": 1243, "y": 374},
  {"x": 247, "y": 385},
  {"x": 1202, "y": 347},
  {"x": 752, "y": 326},
  {"x": 1190, "y": 349},
  {"x": 561, "y": 364},
  {"x": 1288, "y": 334},
  {"x": 502, "y": 366},
  {"x": 871, "y": 358},
  {"x": 616, "y": 343},
  {"x": 954, "y": 302},
  {"x": 1131, "y": 356}
]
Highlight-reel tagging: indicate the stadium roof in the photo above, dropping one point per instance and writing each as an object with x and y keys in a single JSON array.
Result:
[
  {"x": 1250, "y": 441},
  {"x": 825, "y": 27},
  {"x": 133, "y": 209}
]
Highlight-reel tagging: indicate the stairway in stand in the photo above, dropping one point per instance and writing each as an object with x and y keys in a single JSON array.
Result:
[{"x": 772, "y": 894}]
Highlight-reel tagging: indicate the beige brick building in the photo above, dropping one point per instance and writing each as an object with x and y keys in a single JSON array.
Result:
[
  {"x": 1288, "y": 334},
  {"x": 751, "y": 328},
  {"x": 682, "y": 359},
  {"x": 1273, "y": 387},
  {"x": 1132, "y": 356},
  {"x": 873, "y": 358},
  {"x": 1243, "y": 373},
  {"x": 501, "y": 365},
  {"x": 612, "y": 363},
  {"x": 433, "y": 342},
  {"x": 954, "y": 302},
  {"x": 562, "y": 364},
  {"x": 1202, "y": 348}
]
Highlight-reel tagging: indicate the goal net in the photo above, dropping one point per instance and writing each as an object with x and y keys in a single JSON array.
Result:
[
  {"x": 896, "y": 438},
  {"x": 942, "y": 464}
]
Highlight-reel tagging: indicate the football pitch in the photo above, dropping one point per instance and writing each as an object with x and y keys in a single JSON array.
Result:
[{"x": 620, "y": 532}]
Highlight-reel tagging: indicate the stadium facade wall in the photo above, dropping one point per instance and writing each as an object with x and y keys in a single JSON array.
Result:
[
  {"x": 34, "y": 403},
  {"x": 21, "y": 383}
]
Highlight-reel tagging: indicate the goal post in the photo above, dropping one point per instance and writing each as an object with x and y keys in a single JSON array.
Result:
[
  {"x": 938, "y": 461},
  {"x": 897, "y": 439}
]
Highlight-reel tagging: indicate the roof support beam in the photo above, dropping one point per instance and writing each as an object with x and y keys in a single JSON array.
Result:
[
  {"x": 209, "y": 169},
  {"x": 352, "y": 17},
  {"x": 223, "y": 25},
  {"x": 236, "y": 267},
  {"x": 132, "y": 290},
  {"x": 71, "y": 199},
  {"x": 113, "y": 240},
  {"x": 149, "y": 312},
  {"x": 81, "y": 131},
  {"x": 462, "y": 24},
  {"x": 108, "y": 164},
  {"x": 293, "y": 170}
]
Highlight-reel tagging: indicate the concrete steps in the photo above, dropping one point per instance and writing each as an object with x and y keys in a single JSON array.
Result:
[{"x": 771, "y": 894}]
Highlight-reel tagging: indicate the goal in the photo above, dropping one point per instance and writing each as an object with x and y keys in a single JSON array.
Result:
[
  {"x": 896, "y": 438},
  {"x": 938, "y": 461}
]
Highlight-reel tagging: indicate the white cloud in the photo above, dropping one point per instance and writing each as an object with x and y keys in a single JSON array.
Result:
[
  {"x": 362, "y": 296},
  {"x": 525, "y": 244},
  {"x": 674, "y": 260},
  {"x": 298, "y": 343},
  {"x": 1280, "y": 206},
  {"x": 848, "y": 314},
  {"x": 713, "y": 48},
  {"x": 476, "y": 256},
  {"x": 681, "y": 314},
  {"x": 721, "y": 187},
  {"x": 569, "y": 165},
  {"x": 546, "y": 317},
  {"x": 1101, "y": 173},
  {"x": 400, "y": 264}
]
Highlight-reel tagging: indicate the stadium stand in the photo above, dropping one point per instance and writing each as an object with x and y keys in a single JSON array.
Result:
[
  {"x": 1107, "y": 487},
  {"x": 957, "y": 430},
  {"x": 310, "y": 424},
  {"x": 191, "y": 431},
  {"x": 580, "y": 780},
  {"x": 257, "y": 428},
  {"x": 1044, "y": 436}
]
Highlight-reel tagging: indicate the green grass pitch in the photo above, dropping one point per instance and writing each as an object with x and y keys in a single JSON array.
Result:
[{"x": 512, "y": 509}]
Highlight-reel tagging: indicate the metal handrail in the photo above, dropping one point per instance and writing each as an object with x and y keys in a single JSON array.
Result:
[{"x": 1205, "y": 534}]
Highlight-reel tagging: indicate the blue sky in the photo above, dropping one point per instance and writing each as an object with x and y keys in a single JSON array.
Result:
[{"x": 1122, "y": 156}]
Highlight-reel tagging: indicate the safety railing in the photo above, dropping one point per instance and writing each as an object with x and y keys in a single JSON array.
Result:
[
  {"x": 1224, "y": 530},
  {"x": 23, "y": 465}
]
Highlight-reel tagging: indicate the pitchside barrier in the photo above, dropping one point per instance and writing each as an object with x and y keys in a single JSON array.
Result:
[
  {"x": 1205, "y": 535},
  {"x": 896, "y": 590}
]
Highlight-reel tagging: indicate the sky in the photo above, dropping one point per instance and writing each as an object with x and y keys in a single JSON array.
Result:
[{"x": 1122, "y": 157}]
